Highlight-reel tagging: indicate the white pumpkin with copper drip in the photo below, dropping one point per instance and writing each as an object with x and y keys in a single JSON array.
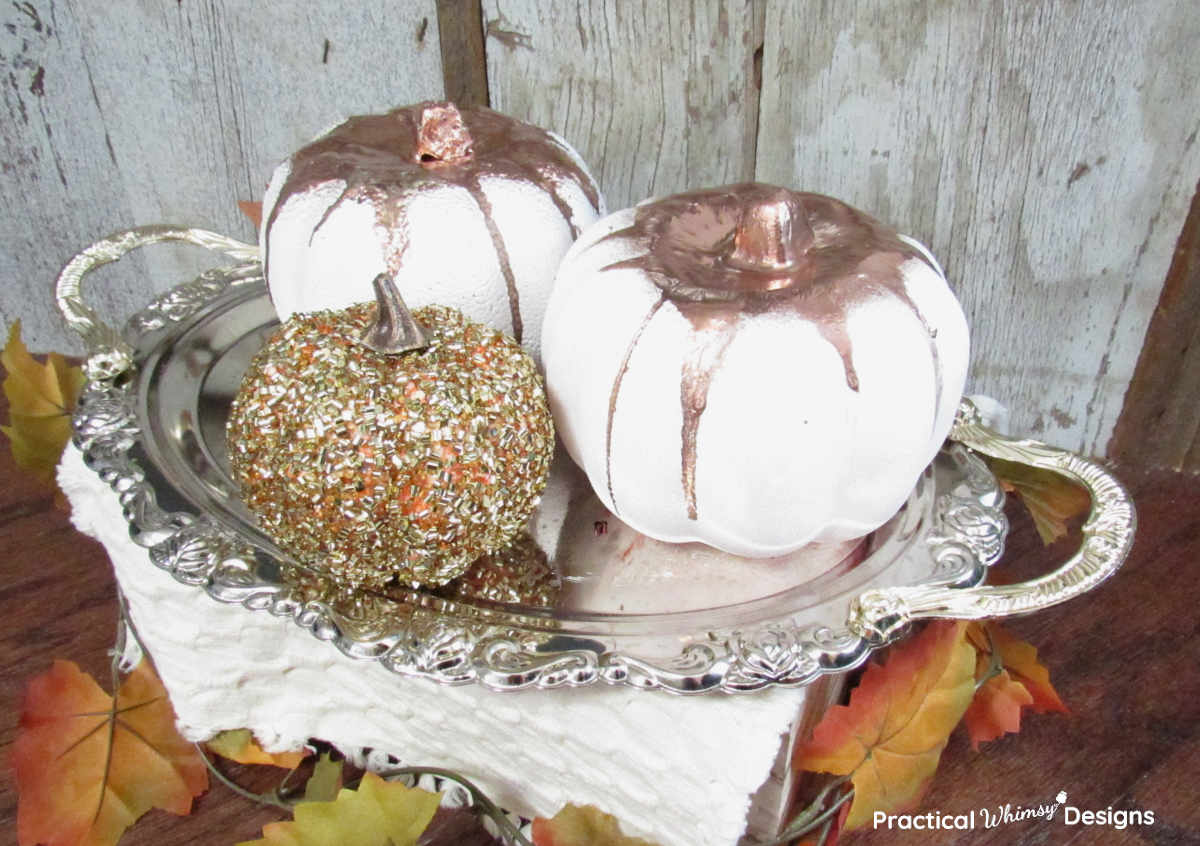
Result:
[
  {"x": 752, "y": 367},
  {"x": 459, "y": 206}
]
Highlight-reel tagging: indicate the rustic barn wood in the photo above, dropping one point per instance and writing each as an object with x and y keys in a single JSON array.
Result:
[
  {"x": 460, "y": 27},
  {"x": 125, "y": 113},
  {"x": 1160, "y": 423},
  {"x": 658, "y": 97},
  {"x": 1045, "y": 151}
]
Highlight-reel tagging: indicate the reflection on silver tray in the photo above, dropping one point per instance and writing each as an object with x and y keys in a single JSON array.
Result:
[{"x": 152, "y": 425}]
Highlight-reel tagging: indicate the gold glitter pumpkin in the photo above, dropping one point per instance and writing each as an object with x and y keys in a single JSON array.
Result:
[
  {"x": 373, "y": 466},
  {"x": 518, "y": 574}
]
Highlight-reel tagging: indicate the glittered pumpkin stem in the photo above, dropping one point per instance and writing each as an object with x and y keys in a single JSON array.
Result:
[{"x": 394, "y": 330}]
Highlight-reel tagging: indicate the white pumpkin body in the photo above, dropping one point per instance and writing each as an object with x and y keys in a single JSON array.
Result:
[
  {"x": 484, "y": 235},
  {"x": 784, "y": 451}
]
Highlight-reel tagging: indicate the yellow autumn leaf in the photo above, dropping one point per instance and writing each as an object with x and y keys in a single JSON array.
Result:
[
  {"x": 239, "y": 745},
  {"x": 326, "y": 780},
  {"x": 378, "y": 813},
  {"x": 41, "y": 398},
  {"x": 890, "y": 737}
]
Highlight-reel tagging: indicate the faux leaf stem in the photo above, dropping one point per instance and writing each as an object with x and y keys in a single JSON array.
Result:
[
  {"x": 801, "y": 827},
  {"x": 995, "y": 662},
  {"x": 272, "y": 798}
]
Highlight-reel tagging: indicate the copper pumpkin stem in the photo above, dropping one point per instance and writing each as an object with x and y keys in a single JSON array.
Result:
[
  {"x": 442, "y": 137},
  {"x": 394, "y": 330},
  {"x": 768, "y": 235}
]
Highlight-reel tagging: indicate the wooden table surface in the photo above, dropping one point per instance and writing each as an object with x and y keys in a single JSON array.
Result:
[{"x": 1125, "y": 660}]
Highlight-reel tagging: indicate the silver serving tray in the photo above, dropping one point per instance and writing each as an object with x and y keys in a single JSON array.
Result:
[{"x": 151, "y": 423}]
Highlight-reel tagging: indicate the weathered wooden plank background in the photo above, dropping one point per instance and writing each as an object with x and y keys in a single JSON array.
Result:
[
  {"x": 124, "y": 113},
  {"x": 1047, "y": 152},
  {"x": 658, "y": 97},
  {"x": 1160, "y": 424}
]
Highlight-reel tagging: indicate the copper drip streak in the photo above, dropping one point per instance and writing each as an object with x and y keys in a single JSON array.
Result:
[
  {"x": 615, "y": 393},
  {"x": 715, "y": 331},
  {"x": 423, "y": 147},
  {"x": 510, "y": 280},
  {"x": 838, "y": 336},
  {"x": 563, "y": 208}
]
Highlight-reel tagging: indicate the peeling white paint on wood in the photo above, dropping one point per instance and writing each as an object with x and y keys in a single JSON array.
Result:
[
  {"x": 658, "y": 97},
  {"x": 1046, "y": 152},
  {"x": 125, "y": 113}
]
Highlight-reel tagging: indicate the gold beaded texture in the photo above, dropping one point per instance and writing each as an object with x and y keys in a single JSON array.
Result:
[
  {"x": 518, "y": 574},
  {"x": 374, "y": 467}
]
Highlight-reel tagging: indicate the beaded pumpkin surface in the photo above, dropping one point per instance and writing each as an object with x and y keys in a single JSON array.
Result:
[
  {"x": 518, "y": 574},
  {"x": 372, "y": 467}
]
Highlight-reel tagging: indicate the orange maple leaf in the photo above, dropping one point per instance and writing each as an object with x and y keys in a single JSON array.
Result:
[
  {"x": 251, "y": 210},
  {"x": 890, "y": 737},
  {"x": 582, "y": 825},
  {"x": 239, "y": 745},
  {"x": 996, "y": 708},
  {"x": 88, "y": 767},
  {"x": 1020, "y": 660}
]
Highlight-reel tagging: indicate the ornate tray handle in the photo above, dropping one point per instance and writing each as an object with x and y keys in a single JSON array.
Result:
[
  {"x": 879, "y": 615},
  {"x": 109, "y": 355}
]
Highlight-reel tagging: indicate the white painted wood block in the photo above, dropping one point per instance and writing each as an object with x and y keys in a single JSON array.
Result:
[{"x": 680, "y": 771}]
